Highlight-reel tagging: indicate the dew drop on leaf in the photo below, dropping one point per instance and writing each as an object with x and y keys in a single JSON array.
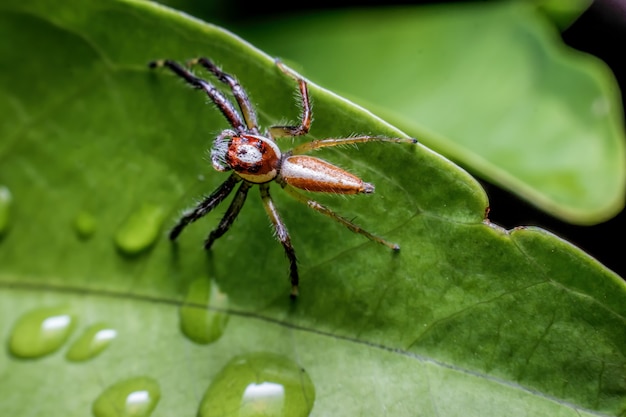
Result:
[
  {"x": 134, "y": 397},
  {"x": 84, "y": 225},
  {"x": 40, "y": 332},
  {"x": 5, "y": 208},
  {"x": 140, "y": 230},
  {"x": 91, "y": 343},
  {"x": 202, "y": 316},
  {"x": 259, "y": 384}
]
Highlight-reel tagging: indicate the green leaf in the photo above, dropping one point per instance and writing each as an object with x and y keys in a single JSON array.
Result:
[
  {"x": 468, "y": 319},
  {"x": 563, "y": 12},
  {"x": 509, "y": 101}
]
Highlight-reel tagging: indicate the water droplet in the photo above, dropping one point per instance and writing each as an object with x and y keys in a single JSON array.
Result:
[
  {"x": 259, "y": 384},
  {"x": 135, "y": 397},
  {"x": 40, "y": 332},
  {"x": 85, "y": 225},
  {"x": 199, "y": 323},
  {"x": 140, "y": 230},
  {"x": 5, "y": 208},
  {"x": 93, "y": 341}
]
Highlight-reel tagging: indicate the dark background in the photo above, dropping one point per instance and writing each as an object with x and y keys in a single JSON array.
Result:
[{"x": 599, "y": 31}]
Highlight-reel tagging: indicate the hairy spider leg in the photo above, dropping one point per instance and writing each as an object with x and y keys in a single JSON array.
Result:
[
  {"x": 229, "y": 217},
  {"x": 306, "y": 117},
  {"x": 220, "y": 100},
  {"x": 347, "y": 223},
  {"x": 283, "y": 236},
  {"x": 206, "y": 205},
  {"x": 317, "y": 144},
  {"x": 238, "y": 92}
]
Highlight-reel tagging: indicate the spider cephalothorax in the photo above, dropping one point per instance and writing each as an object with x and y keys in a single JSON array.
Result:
[{"x": 256, "y": 159}]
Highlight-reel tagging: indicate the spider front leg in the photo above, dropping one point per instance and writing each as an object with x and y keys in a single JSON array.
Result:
[
  {"x": 238, "y": 92},
  {"x": 220, "y": 100},
  {"x": 206, "y": 205},
  {"x": 306, "y": 117},
  {"x": 283, "y": 236}
]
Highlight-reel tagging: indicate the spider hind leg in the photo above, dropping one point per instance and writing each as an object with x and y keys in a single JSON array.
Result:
[{"x": 347, "y": 223}]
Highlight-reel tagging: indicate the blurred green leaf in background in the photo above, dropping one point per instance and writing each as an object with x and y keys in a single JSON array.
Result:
[{"x": 488, "y": 85}]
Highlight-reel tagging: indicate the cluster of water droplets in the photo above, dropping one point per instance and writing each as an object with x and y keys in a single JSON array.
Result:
[
  {"x": 253, "y": 384},
  {"x": 249, "y": 385},
  {"x": 45, "y": 330}
]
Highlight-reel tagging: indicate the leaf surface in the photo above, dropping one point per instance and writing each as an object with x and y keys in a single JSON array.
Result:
[{"x": 513, "y": 323}]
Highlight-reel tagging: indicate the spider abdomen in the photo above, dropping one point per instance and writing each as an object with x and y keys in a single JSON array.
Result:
[{"x": 314, "y": 174}]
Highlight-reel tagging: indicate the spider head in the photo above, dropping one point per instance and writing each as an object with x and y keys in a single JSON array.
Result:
[{"x": 255, "y": 158}]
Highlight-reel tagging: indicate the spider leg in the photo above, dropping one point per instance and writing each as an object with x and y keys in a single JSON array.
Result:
[
  {"x": 206, "y": 205},
  {"x": 306, "y": 117},
  {"x": 220, "y": 100},
  {"x": 317, "y": 144},
  {"x": 230, "y": 215},
  {"x": 347, "y": 223},
  {"x": 238, "y": 92},
  {"x": 283, "y": 237}
]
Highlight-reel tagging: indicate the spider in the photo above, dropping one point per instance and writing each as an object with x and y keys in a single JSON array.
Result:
[{"x": 256, "y": 159}]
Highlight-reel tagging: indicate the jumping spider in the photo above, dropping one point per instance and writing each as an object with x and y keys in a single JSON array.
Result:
[{"x": 255, "y": 159}]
